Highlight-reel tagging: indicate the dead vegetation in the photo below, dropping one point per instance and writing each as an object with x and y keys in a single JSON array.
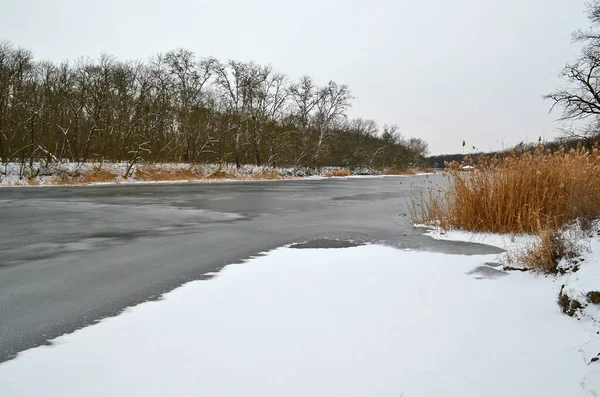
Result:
[
  {"x": 338, "y": 174},
  {"x": 153, "y": 173},
  {"x": 97, "y": 175},
  {"x": 523, "y": 193},
  {"x": 33, "y": 182},
  {"x": 263, "y": 175},
  {"x": 534, "y": 192},
  {"x": 594, "y": 297},
  {"x": 158, "y": 174},
  {"x": 546, "y": 255}
]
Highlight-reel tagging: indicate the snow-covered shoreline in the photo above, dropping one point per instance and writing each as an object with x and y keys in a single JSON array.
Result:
[
  {"x": 111, "y": 173},
  {"x": 577, "y": 277}
]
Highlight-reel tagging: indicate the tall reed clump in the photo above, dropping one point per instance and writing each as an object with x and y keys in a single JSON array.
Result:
[
  {"x": 525, "y": 192},
  {"x": 534, "y": 192}
]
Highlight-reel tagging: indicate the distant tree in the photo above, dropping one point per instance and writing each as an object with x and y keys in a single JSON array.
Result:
[
  {"x": 304, "y": 96},
  {"x": 418, "y": 149},
  {"x": 387, "y": 153},
  {"x": 190, "y": 79},
  {"x": 332, "y": 102}
]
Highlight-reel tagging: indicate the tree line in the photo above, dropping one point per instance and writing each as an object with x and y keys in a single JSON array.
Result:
[{"x": 177, "y": 107}]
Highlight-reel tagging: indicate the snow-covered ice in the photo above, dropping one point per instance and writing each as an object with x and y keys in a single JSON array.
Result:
[{"x": 361, "y": 321}]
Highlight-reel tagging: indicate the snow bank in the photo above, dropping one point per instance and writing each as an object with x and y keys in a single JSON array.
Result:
[
  {"x": 579, "y": 284},
  {"x": 578, "y": 278},
  {"x": 513, "y": 245},
  {"x": 361, "y": 321}
]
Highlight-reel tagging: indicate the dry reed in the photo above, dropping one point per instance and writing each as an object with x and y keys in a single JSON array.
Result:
[
  {"x": 157, "y": 174},
  {"x": 535, "y": 192},
  {"x": 338, "y": 174},
  {"x": 523, "y": 193}
]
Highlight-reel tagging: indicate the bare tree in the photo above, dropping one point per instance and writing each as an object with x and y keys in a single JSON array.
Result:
[
  {"x": 418, "y": 149},
  {"x": 240, "y": 85},
  {"x": 332, "y": 102},
  {"x": 304, "y": 96},
  {"x": 580, "y": 98}
]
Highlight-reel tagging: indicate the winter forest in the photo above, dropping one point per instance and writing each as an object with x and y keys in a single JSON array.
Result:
[{"x": 178, "y": 107}]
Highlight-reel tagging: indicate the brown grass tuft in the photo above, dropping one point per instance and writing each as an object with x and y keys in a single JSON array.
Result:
[
  {"x": 594, "y": 297},
  {"x": 338, "y": 174},
  {"x": 547, "y": 254},
  {"x": 156, "y": 174}
]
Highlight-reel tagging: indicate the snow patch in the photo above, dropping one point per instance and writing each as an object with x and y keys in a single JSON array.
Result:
[{"x": 580, "y": 280}]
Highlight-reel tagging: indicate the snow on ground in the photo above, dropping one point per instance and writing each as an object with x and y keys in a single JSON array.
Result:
[
  {"x": 585, "y": 280},
  {"x": 581, "y": 277},
  {"x": 361, "y": 321},
  {"x": 513, "y": 245},
  {"x": 577, "y": 284}
]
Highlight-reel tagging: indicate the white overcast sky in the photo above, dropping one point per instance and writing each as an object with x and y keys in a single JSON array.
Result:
[{"x": 441, "y": 70}]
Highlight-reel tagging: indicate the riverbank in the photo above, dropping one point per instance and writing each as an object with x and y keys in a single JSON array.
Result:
[{"x": 95, "y": 173}]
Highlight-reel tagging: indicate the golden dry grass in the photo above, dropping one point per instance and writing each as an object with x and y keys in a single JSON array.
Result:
[
  {"x": 523, "y": 193},
  {"x": 547, "y": 253},
  {"x": 338, "y": 173},
  {"x": 98, "y": 176},
  {"x": 156, "y": 174}
]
